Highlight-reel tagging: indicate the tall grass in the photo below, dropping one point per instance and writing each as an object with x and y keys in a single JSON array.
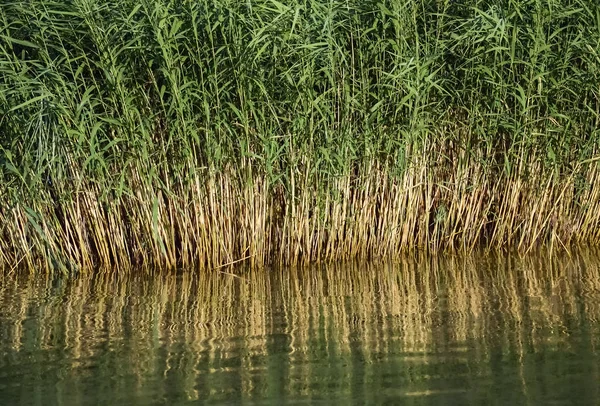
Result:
[{"x": 207, "y": 132}]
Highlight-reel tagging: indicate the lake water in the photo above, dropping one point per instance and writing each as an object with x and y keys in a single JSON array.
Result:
[{"x": 483, "y": 329}]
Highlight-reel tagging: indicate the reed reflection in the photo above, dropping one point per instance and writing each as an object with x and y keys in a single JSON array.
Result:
[{"x": 468, "y": 328}]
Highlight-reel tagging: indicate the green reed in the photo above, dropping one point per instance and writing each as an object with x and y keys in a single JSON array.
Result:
[{"x": 209, "y": 132}]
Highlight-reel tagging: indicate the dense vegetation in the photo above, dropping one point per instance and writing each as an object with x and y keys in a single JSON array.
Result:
[{"x": 212, "y": 131}]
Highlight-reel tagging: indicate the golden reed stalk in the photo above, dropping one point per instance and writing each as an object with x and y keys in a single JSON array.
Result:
[{"x": 222, "y": 218}]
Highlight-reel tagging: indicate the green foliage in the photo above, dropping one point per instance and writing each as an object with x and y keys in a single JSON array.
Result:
[{"x": 91, "y": 91}]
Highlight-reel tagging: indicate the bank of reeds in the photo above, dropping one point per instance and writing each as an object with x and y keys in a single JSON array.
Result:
[{"x": 179, "y": 133}]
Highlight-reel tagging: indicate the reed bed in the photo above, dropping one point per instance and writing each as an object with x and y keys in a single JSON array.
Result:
[{"x": 201, "y": 133}]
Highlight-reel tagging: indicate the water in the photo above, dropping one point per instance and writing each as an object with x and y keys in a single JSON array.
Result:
[{"x": 484, "y": 329}]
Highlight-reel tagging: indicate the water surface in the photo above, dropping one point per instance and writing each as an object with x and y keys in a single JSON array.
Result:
[{"x": 483, "y": 329}]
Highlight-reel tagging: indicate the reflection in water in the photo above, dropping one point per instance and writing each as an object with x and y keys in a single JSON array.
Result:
[{"x": 499, "y": 329}]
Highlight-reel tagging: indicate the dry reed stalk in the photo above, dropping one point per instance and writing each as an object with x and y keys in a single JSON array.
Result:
[{"x": 222, "y": 217}]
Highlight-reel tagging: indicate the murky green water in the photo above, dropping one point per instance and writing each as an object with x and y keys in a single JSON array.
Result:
[{"x": 474, "y": 330}]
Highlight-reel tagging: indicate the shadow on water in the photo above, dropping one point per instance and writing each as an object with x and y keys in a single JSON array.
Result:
[{"x": 425, "y": 330}]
